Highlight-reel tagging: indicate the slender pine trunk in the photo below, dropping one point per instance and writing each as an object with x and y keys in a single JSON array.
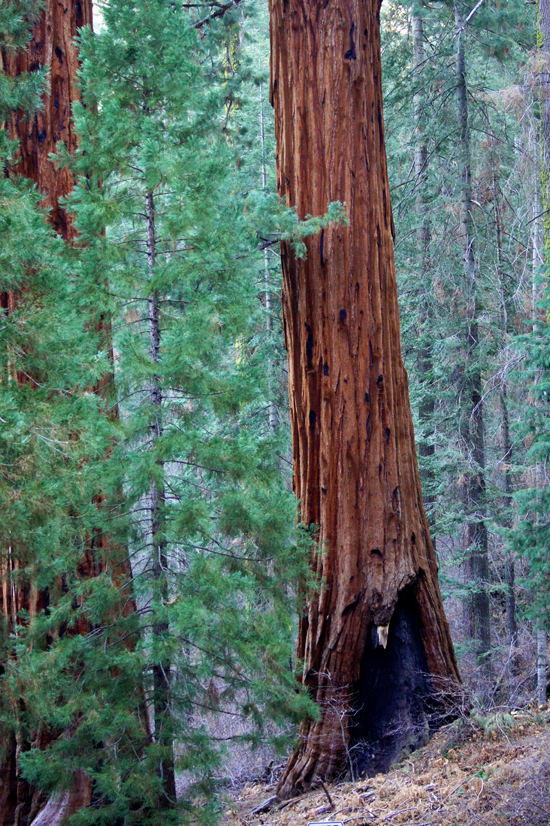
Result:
[
  {"x": 161, "y": 662},
  {"x": 272, "y": 416},
  {"x": 506, "y": 447},
  {"x": 426, "y": 410},
  {"x": 509, "y": 562},
  {"x": 539, "y": 237},
  {"x": 543, "y": 180},
  {"x": 472, "y": 431},
  {"x": 542, "y": 680}
]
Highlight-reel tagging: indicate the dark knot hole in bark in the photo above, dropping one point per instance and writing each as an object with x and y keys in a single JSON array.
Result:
[{"x": 391, "y": 716}]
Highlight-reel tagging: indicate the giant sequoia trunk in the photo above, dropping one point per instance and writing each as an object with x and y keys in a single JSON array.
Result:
[
  {"x": 52, "y": 44},
  {"x": 374, "y": 642}
]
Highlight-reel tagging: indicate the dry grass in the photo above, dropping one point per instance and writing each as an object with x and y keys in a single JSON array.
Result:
[{"x": 467, "y": 775}]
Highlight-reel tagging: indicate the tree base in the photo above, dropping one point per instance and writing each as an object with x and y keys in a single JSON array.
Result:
[{"x": 394, "y": 705}]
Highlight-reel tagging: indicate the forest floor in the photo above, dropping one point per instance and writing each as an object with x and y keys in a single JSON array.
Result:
[{"x": 492, "y": 772}]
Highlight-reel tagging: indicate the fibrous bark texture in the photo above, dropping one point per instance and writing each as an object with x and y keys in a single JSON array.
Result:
[
  {"x": 378, "y": 618},
  {"x": 53, "y": 45}
]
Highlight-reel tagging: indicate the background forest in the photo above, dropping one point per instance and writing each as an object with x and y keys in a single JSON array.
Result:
[{"x": 151, "y": 567}]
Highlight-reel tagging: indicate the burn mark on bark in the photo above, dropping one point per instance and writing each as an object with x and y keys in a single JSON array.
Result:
[
  {"x": 325, "y": 369},
  {"x": 413, "y": 539},
  {"x": 350, "y": 54},
  {"x": 379, "y": 381},
  {"x": 387, "y": 435},
  {"x": 312, "y": 418},
  {"x": 324, "y": 491},
  {"x": 309, "y": 346},
  {"x": 367, "y": 398},
  {"x": 343, "y": 315},
  {"x": 351, "y": 606},
  {"x": 310, "y": 677},
  {"x": 391, "y": 706},
  {"x": 396, "y": 502},
  {"x": 321, "y": 244}
]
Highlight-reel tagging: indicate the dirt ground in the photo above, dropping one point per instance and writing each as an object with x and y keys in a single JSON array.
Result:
[{"x": 493, "y": 771}]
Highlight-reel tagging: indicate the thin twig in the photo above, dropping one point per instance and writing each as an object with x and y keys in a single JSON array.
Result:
[
  {"x": 326, "y": 791},
  {"x": 474, "y": 10}
]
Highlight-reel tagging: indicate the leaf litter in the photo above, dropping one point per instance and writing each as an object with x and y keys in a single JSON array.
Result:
[{"x": 485, "y": 771}]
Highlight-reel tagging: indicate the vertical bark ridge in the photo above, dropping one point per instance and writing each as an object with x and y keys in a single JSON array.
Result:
[
  {"x": 355, "y": 468},
  {"x": 52, "y": 44}
]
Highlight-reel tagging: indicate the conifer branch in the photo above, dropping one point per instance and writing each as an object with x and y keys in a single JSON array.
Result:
[{"x": 220, "y": 11}]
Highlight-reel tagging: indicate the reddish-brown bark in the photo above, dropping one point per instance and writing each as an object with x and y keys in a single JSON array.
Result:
[
  {"x": 53, "y": 45},
  {"x": 355, "y": 467}
]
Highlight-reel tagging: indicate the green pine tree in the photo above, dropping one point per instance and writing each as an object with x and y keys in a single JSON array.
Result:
[
  {"x": 53, "y": 435},
  {"x": 422, "y": 118},
  {"x": 167, "y": 252}
]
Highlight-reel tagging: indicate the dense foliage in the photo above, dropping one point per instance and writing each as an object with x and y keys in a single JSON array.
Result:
[
  {"x": 168, "y": 481},
  {"x": 144, "y": 438},
  {"x": 468, "y": 290}
]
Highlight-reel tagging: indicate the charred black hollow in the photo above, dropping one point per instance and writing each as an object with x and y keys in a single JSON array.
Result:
[{"x": 391, "y": 714}]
